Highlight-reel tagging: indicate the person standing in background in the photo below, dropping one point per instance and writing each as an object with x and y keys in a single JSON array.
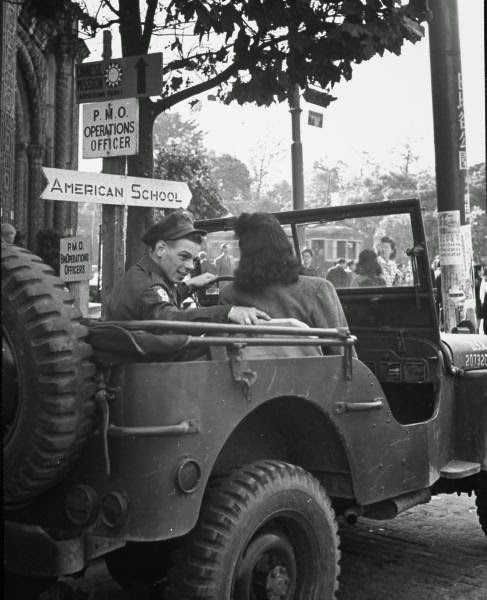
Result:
[
  {"x": 307, "y": 266},
  {"x": 8, "y": 233},
  {"x": 387, "y": 254}
]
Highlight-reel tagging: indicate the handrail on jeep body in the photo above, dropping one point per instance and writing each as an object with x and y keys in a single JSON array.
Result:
[{"x": 160, "y": 326}]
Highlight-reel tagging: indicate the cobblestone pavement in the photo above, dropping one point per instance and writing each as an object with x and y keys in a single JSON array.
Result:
[{"x": 431, "y": 552}]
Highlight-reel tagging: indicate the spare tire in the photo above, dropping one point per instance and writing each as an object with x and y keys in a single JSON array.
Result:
[{"x": 48, "y": 378}]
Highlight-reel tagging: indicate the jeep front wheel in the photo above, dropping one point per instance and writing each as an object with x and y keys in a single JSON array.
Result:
[{"x": 266, "y": 532}]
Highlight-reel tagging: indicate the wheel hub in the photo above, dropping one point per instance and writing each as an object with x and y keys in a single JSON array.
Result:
[
  {"x": 267, "y": 570},
  {"x": 277, "y": 583}
]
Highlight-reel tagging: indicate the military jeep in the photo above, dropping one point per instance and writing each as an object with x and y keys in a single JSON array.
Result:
[{"x": 222, "y": 476}]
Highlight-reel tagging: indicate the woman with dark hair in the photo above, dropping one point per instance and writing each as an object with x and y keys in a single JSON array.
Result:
[
  {"x": 368, "y": 271},
  {"x": 387, "y": 254},
  {"x": 268, "y": 278}
]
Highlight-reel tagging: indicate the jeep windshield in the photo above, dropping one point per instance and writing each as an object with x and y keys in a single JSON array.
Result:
[{"x": 383, "y": 277}]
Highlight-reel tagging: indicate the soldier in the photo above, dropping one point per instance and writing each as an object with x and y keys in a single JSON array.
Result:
[{"x": 154, "y": 287}]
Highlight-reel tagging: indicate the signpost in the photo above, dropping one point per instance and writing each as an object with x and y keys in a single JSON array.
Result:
[
  {"x": 116, "y": 78},
  {"x": 111, "y": 128},
  {"x": 102, "y": 188}
]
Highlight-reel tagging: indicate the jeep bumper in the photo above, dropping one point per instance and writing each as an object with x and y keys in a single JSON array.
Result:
[{"x": 31, "y": 550}]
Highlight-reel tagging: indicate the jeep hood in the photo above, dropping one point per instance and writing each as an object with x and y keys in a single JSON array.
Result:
[{"x": 466, "y": 351}]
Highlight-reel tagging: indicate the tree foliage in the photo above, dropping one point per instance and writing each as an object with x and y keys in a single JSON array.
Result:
[
  {"x": 376, "y": 185},
  {"x": 251, "y": 50},
  {"x": 233, "y": 179},
  {"x": 183, "y": 157}
]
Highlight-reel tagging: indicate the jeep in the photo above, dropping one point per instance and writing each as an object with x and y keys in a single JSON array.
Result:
[{"x": 222, "y": 477}]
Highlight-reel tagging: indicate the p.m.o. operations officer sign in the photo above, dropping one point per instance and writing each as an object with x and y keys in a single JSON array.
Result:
[
  {"x": 75, "y": 258},
  {"x": 111, "y": 128}
]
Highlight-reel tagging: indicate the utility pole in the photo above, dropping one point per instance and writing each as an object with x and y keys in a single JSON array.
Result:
[
  {"x": 455, "y": 238},
  {"x": 113, "y": 262},
  {"x": 296, "y": 148}
]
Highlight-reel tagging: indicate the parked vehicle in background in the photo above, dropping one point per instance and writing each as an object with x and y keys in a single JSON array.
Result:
[{"x": 223, "y": 477}]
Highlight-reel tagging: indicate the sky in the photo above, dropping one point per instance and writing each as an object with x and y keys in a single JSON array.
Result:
[{"x": 385, "y": 105}]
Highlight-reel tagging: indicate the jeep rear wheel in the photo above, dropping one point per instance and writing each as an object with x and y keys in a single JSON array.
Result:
[
  {"x": 47, "y": 384},
  {"x": 266, "y": 532},
  {"x": 481, "y": 499}
]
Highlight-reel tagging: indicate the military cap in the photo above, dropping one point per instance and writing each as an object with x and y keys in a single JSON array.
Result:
[{"x": 175, "y": 226}]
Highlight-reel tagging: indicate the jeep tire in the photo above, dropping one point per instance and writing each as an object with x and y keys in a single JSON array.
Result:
[
  {"x": 47, "y": 388},
  {"x": 265, "y": 531},
  {"x": 481, "y": 499}
]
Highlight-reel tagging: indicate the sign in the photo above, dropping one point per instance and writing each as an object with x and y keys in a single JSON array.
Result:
[
  {"x": 318, "y": 97},
  {"x": 128, "y": 77},
  {"x": 450, "y": 237},
  {"x": 102, "y": 188},
  {"x": 315, "y": 118},
  {"x": 111, "y": 128},
  {"x": 75, "y": 258}
]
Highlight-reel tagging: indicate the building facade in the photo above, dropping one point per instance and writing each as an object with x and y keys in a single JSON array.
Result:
[{"x": 39, "y": 115}]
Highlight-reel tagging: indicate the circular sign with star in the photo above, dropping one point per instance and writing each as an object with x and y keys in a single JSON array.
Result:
[{"x": 113, "y": 74}]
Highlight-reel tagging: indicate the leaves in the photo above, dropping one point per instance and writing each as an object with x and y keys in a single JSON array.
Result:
[{"x": 250, "y": 51}]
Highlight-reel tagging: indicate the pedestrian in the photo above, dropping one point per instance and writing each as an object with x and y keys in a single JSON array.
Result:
[
  {"x": 8, "y": 233},
  {"x": 307, "y": 263},
  {"x": 154, "y": 287},
  {"x": 483, "y": 301},
  {"x": 206, "y": 265},
  {"x": 224, "y": 264},
  {"x": 368, "y": 272},
  {"x": 48, "y": 248},
  {"x": 338, "y": 275},
  {"x": 268, "y": 277},
  {"x": 387, "y": 254}
]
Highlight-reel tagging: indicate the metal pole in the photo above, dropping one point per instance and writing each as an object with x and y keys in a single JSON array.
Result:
[
  {"x": 113, "y": 262},
  {"x": 455, "y": 239},
  {"x": 296, "y": 148}
]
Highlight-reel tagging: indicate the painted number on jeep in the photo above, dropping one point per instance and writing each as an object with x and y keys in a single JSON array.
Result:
[{"x": 476, "y": 361}]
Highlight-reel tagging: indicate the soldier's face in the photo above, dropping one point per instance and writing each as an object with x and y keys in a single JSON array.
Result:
[{"x": 176, "y": 258}]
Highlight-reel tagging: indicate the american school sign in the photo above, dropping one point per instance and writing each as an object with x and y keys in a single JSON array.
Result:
[{"x": 101, "y": 188}]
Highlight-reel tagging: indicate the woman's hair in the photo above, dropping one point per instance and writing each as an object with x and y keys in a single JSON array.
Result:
[
  {"x": 368, "y": 264},
  {"x": 266, "y": 254},
  {"x": 387, "y": 240}
]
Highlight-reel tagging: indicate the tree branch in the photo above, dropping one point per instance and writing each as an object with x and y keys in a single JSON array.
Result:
[
  {"x": 111, "y": 7},
  {"x": 149, "y": 22},
  {"x": 173, "y": 99}
]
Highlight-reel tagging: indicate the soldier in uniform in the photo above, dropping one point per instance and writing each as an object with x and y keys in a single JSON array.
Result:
[{"x": 154, "y": 287}]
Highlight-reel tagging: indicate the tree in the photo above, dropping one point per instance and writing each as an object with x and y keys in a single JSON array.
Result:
[
  {"x": 248, "y": 51},
  {"x": 181, "y": 162},
  {"x": 325, "y": 181},
  {"x": 233, "y": 179},
  {"x": 279, "y": 197},
  {"x": 171, "y": 128}
]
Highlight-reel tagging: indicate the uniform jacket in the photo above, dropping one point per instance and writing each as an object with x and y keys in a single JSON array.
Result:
[{"x": 145, "y": 293}]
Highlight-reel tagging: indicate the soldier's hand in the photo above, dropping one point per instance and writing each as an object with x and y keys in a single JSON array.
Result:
[
  {"x": 243, "y": 315},
  {"x": 200, "y": 280}
]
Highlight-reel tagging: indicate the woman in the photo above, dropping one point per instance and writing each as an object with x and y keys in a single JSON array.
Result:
[
  {"x": 268, "y": 278},
  {"x": 387, "y": 254},
  {"x": 368, "y": 272}
]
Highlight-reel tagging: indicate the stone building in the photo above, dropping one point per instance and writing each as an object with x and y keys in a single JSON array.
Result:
[{"x": 39, "y": 116}]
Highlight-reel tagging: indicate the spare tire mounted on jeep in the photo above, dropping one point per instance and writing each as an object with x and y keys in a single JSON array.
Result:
[{"x": 47, "y": 384}]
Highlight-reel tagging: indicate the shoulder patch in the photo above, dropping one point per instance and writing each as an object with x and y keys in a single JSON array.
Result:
[{"x": 163, "y": 295}]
